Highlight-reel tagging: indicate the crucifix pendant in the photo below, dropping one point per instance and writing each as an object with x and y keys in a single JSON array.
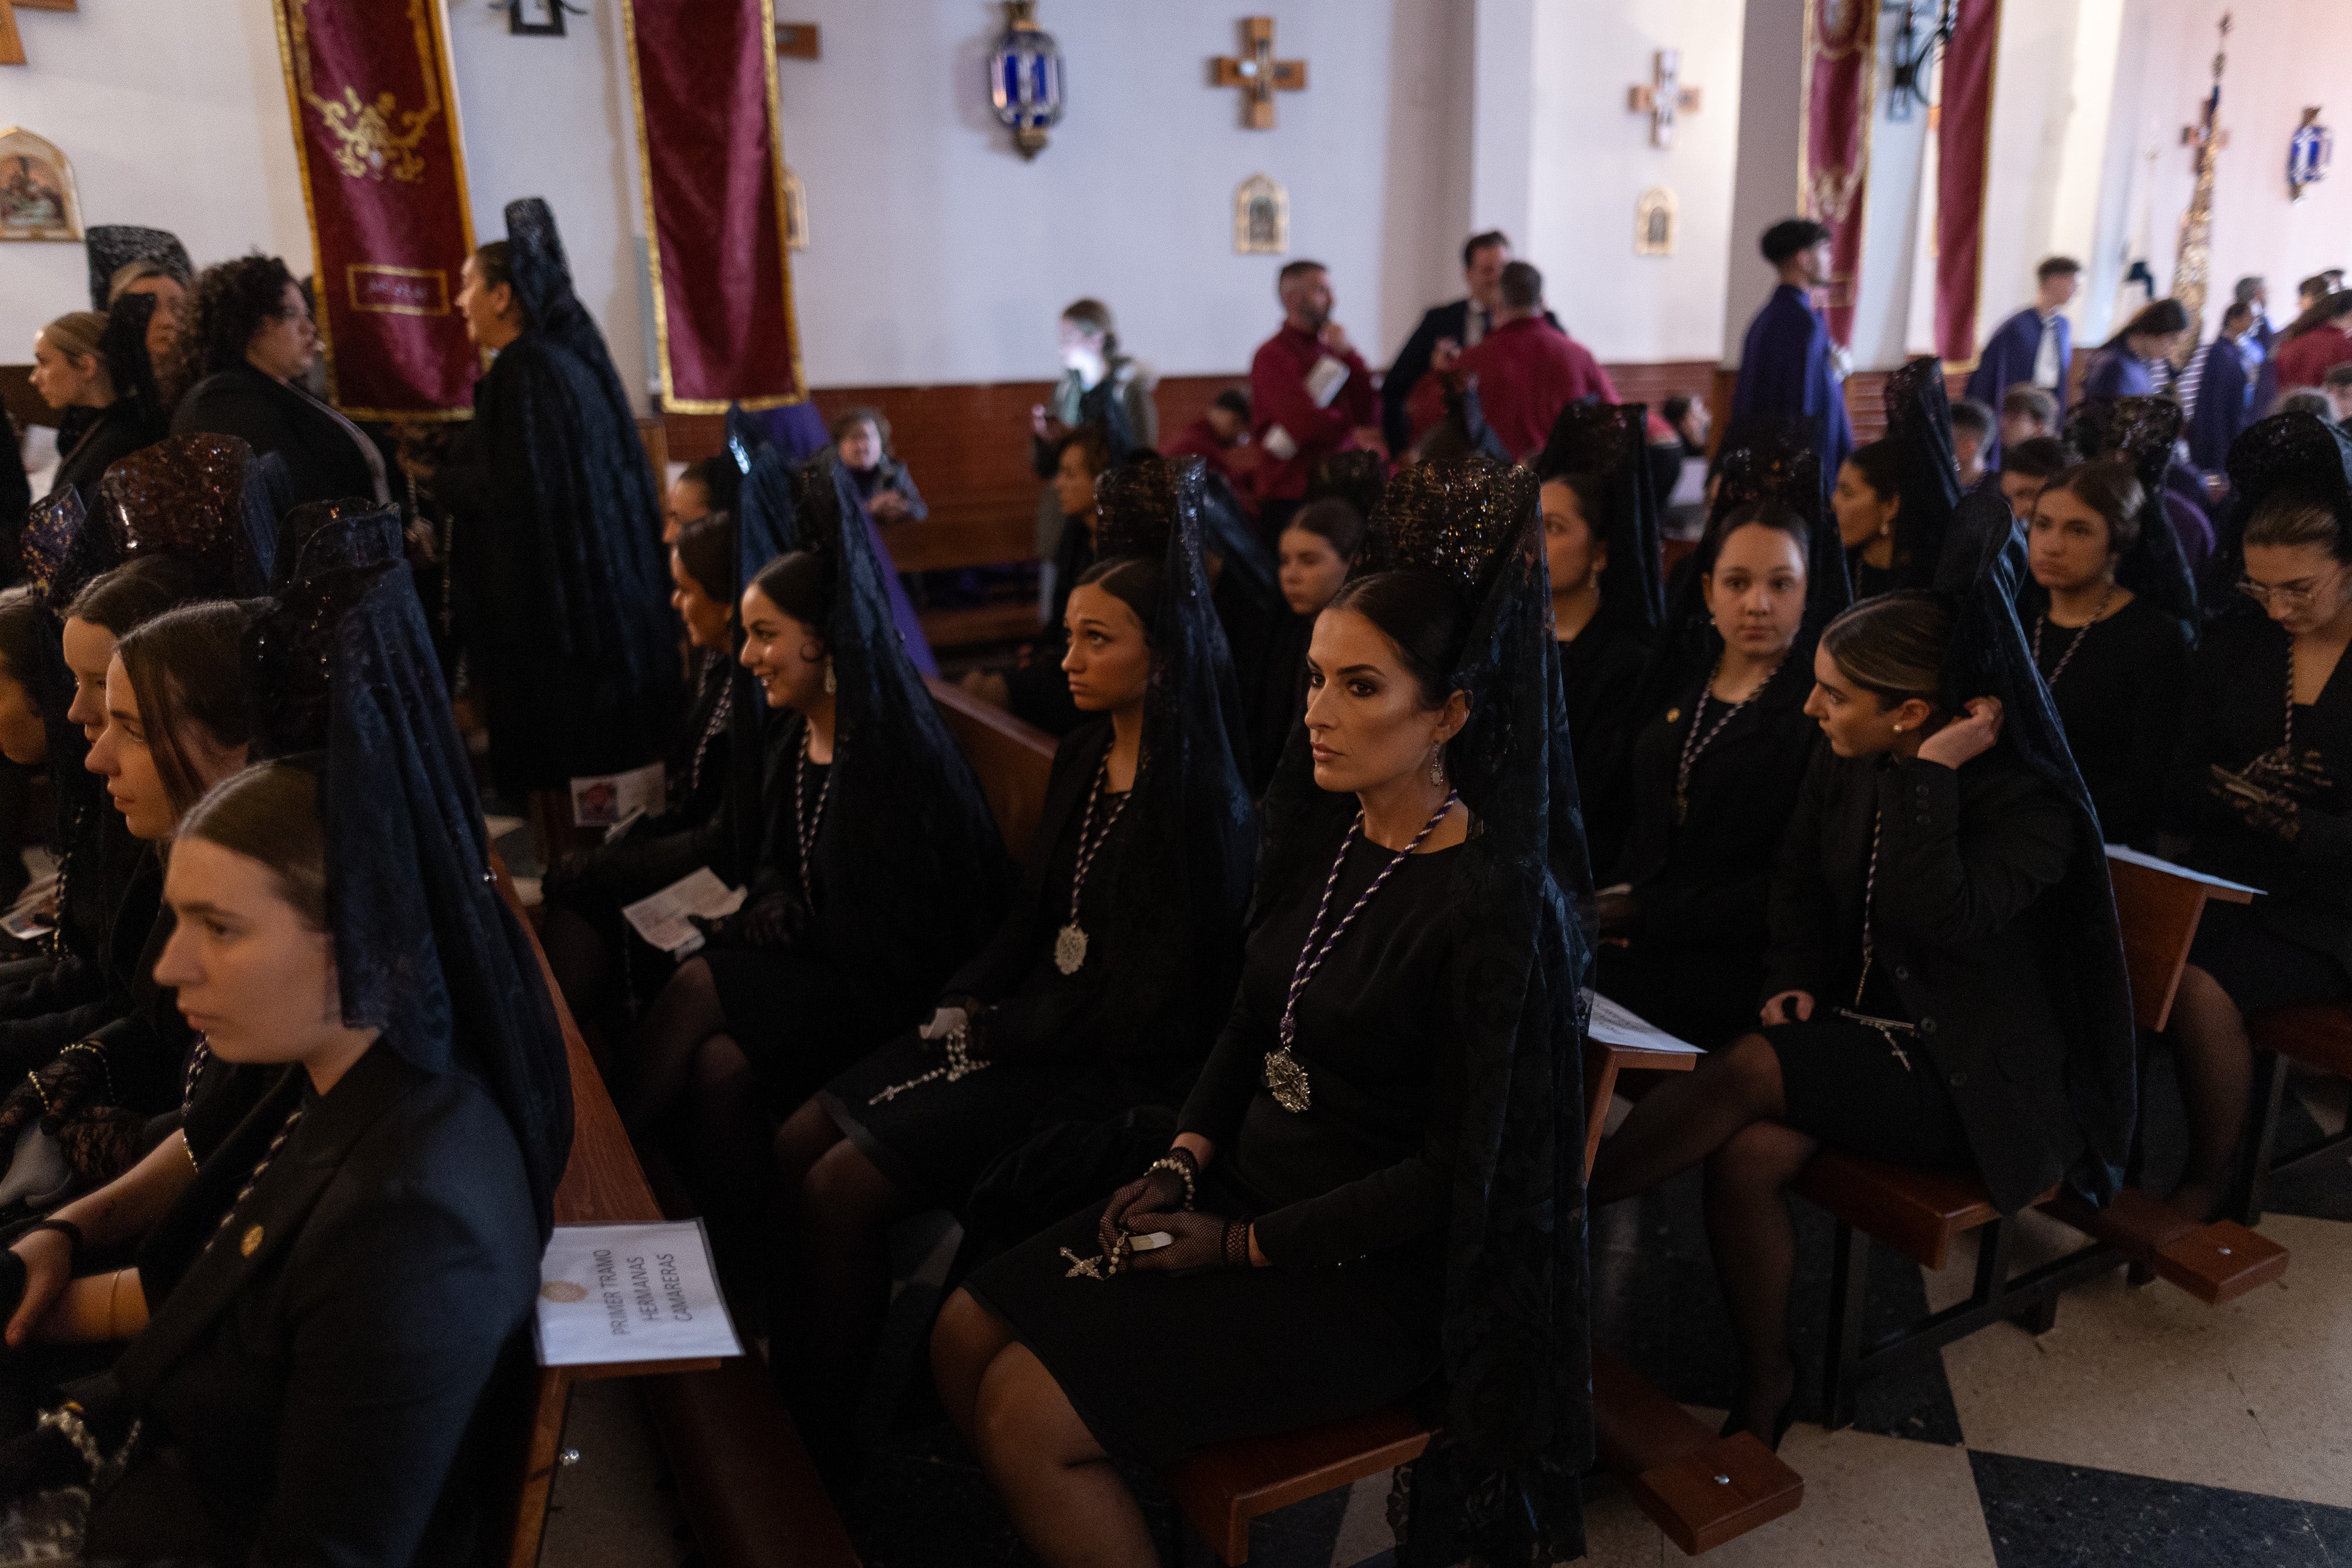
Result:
[
  {"x": 1069, "y": 949},
  {"x": 1286, "y": 1081}
]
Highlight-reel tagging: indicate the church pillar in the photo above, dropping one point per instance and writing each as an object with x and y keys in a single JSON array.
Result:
[
  {"x": 1502, "y": 116},
  {"x": 1765, "y": 185}
]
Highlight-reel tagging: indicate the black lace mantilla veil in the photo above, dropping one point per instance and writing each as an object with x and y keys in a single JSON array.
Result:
[
  {"x": 1775, "y": 461},
  {"x": 1988, "y": 656},
  {"x": 1356, "y": 477},
  {"x": 1516, "y": 1328},
  {"x": 124, "y": 345},
  {"x": 62, "y": 551},
  {"x": 1613, "y": 440},
  {"x": 2143, "y": 430},
  {"x": 908, "y": 815},
  {"x": 1174, "y": 944},
  {"x": 570, "y": 486},
  {"x": 1920, "y": 423},
  {"x": 2297, "y": 455},
  {"x": 109, "y": 248},
  {"x": 187, "y": 497}
]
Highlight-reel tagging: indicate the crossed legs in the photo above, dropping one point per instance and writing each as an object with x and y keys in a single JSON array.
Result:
[
  {"x": 1726, "y": 1114},
  {"x": 1064, "y": 1494}
]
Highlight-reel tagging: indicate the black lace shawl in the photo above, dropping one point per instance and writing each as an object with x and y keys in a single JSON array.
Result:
[
  {"x": 1920, "y": 423},
  {"x": 2142, "y": 429},
  {"x": 1776, "y": 461},
  {"x": 571, "y": 596},
  {"x": 425, "y": 947},
  {"x": 1516, "y": 1330},
  {"x": 911, "y": 875},
  {"x": 2297, "y": 453},
  {"x": 268, "y": 498},
  {"x": 1612, "y": 441},
  {"x": 124, "y": 345},
  {"x": 109, "y": 248},
  {"x": 1988, "y": 656}
]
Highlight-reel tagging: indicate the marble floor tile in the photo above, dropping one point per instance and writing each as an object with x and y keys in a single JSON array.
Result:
[
  {"x": 2255, "y": 1395},
  {"x": 1869, "y": 1501},
  {"x": 2063, "y": 1516}
]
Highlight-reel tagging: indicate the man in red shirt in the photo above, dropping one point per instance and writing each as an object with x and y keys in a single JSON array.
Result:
[
  {"x": 1216, "y": 438},
  {"x": 1526, "y": 370},
  {"x": 1311, "y": 394},
  {"x": 2304, "y": 359}
]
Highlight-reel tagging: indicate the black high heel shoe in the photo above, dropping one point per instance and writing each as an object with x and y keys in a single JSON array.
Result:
[{"x": 1780, "y": 1423}]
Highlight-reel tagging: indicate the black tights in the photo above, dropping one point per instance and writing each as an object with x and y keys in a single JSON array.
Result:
[
  {"x": 1725, "y": 1113},
  {"x": 582, "y": 961},
  {"x": 2216, "y": 1062},
  {"x": 835, "y": 1209},
  {"x": 691, "y": 1086}
]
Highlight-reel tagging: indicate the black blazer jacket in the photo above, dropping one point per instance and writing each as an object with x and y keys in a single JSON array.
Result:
[
  {"x": 1960, "y": 931},
  {"x": 310, "y": 1378},
  {"x": 326, "y": 458}
]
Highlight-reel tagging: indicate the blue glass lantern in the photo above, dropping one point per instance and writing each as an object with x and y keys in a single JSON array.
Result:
[
  {"x": 2308, "y": 153},
  {"x": 1024, "y": 78}
]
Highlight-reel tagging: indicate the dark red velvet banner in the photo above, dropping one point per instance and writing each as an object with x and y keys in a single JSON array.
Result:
[
  {"x": 703, "y": 73},
  {"x": 384, "y": 175},
  {"x": 1833, "y": 139},
  {"x": 1963, "y": 160}
]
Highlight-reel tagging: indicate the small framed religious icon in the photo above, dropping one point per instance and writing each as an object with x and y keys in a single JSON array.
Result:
[
  {"x": 1654, "y": 219},
  {"x": 1261, "y": 217},
  {"x": 796, "y": 233},
  {"x": 37, "y": 197},
  {"x": 537, "y": 19}
]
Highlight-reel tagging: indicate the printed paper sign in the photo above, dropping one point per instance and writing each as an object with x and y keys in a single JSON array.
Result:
[
  {"x": 603, "y": 799},
  {"x": 631, "y": 1293},
  {"x": 661, "y": 918}
]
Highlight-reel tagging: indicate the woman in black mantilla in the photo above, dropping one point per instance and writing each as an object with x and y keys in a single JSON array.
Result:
[
  {"x": 331, "y": 1277},
  {"x": 131, "y": 414},
  {"x": 1717, "y": 767},
  {"x": 1895, "y": 498},
  {"x": 560, "y": 587},
  {"x": 1944, "y": 987},
  {"x": 1600, "y": 534},
  {"x": 877, "y": 871},
  {"x": 1370, "y": 1183},
  {"x": 1103, "y": 988},
  {"x": 2113, "y": 652},
  {"x": 1313, "y": 551},
  {"x": 2256, "y": 791}
]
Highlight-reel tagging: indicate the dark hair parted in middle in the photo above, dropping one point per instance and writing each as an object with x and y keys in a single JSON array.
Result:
[
  {"x": 1134, "y": 580},
  {"x": 797, "y": 583},
  {"x": 270, "y": 813},
  {"x": 1763, "y": 513},
  {"x": 186, "y": 667},
  {"x": 1424, "y": 615},
  {"x": 128, "y": 595},
  {"x": 233, "y": 299},
  {"x": 1892, "y": 646},
  {"x": 706, "y": 548},
  {"x": 2286, "y": 521},
  {"x": 2110, "y": 488},
  {"x": 1335, "y": 521}
]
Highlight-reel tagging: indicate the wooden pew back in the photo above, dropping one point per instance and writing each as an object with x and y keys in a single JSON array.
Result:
[{"x": 1013, "y": 760}]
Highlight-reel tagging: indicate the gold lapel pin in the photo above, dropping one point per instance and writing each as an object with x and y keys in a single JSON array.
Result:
[{"x": 252, "y": 1242}]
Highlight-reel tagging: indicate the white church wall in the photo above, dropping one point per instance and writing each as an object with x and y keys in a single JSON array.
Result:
[
  {"x": 1592, "y": 160},
  {"x": 1765, "y": 173}
]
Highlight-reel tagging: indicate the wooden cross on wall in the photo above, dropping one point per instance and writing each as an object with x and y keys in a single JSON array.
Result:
[
  {"x": 12, "y": 45},
  {"x": 1256, "y": 72},
  {"x": 1664, "y": 98}
]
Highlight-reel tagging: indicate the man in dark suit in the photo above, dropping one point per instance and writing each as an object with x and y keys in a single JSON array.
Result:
[
  {"x": 1462, "y": 323},
  {"x": 2036, "y": 346}
]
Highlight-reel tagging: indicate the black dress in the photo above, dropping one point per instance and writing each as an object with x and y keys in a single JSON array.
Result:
[
  {"x": 117, "y": 432},
  {"x": 1961, "y": 941},
  {"x": 2294, "y": 944},
  {"x": 326, "y": 457},
  {"x": 1693, "y": 960},
  {"x": 1048, "y": 1054},
  {"x": 2119, "y": 699},
  {"x": 1601, "y": 674},
  {"x": 1348, "y": 1197}
]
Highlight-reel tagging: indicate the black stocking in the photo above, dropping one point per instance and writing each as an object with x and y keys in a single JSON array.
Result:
[
  {"x": 725, "y": 1145},
  {"x": 686, "y": 1014},
  {"x": 2216, "y": 1062},
  {"x": 833, "y": 1294},
  {"x": 1755, "y": 1247},
  {"x": 1687, "y": 1118},
  {"x": 581, "y": 960}
]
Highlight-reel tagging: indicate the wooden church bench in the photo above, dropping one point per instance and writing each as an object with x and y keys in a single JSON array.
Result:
[
  {"x": 1013, "y": 760},
  {"x": 2314, "y": 1037},
  {"x": 1921, "y": 1214},
  {"x": 747, "y": 1489},
  {"x": 1702, "y": 1490}
]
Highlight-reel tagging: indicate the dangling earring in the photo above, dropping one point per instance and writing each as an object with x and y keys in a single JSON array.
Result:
[
  {"x": 1437, "y": 766},
  {"x": 831, "y": 685}
]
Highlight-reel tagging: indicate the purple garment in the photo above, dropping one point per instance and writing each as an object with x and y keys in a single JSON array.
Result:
[
  {"x": 1788, "y": 369},
  {"x": 797, "y": 429},
  {"x": 2192, "y": 527},
  {"x": 2008, "y": 359}
]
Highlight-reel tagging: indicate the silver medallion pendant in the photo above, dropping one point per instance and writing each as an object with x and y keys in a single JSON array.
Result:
[
  {"x": 1286, "y": 1081},
  {"x": 1069, "y": 949}
]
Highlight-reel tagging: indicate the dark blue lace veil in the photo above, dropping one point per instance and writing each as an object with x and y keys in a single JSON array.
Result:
[
  {"x": 1919, "y": 425},
  {"x": 1516, "y": 1333},
  {"x": 1988, "y": 656}
]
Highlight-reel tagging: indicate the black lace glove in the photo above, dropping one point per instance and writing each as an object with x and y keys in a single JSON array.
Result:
[
  {"x": 2274, "y": 813},
  {"x": 1155, "y": 1192},
  {"x": 76, "y": 1077},
  {"x": 772, "y": 921},
  {"x": 2302, "y": 777},
  {"x": 1199, "y": 1241},
  {"x": 102, "y": 1142}
]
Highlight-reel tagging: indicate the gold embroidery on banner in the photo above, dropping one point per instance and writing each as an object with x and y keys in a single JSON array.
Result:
[{"x": 378, "y": 138}]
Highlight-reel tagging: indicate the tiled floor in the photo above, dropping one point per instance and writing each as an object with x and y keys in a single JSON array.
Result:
[{"x": 2147, "y": 1430}]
